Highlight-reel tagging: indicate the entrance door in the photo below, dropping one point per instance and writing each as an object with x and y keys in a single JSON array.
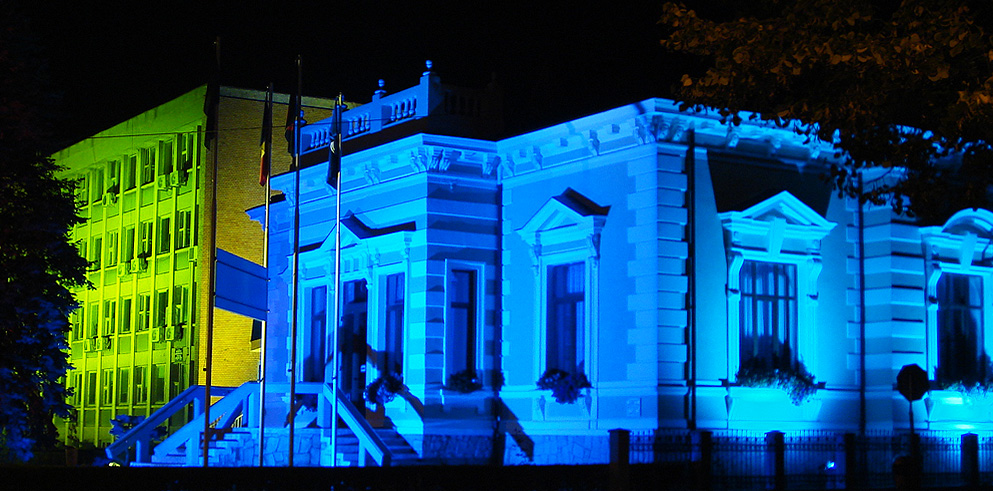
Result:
[{"x": 352, "y": 345}]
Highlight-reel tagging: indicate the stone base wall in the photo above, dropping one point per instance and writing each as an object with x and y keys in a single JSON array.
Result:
[
  {"x": 311, "y": 450},
  {"x": 457, "y": 449},
  {"x": 556, "y": 449},
  {"x": 244, "y": 452}
]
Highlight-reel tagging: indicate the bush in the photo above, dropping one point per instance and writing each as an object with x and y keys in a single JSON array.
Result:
[
  {"x": 464, "y": 381},
  {"x": 565, "y": 386},
  {"x": 384, "y": 389},
  {"x": 796, "y": 381}
]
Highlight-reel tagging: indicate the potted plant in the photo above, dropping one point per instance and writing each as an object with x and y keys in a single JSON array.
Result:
[
  {"x": 565, "y": 386},
  {"x": 464, "y": 381},
  {"x": 384, "y": 389},
  {"x": 794, "y": 379}
]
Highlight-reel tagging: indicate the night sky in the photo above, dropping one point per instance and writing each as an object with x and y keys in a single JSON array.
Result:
[{"x": 556, "y": 60}]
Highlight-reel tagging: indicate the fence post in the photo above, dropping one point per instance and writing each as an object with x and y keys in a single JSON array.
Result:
[
  {"x": 705, "y": 468},
  {"x": 851, "y": 461},
  {"x": 620, "y": 459},
  {"x": 970, "y": 459},
  {"x": 775, "y": 443}
]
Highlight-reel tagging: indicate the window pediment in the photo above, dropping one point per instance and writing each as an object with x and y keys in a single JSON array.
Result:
[
  {"x": 565, "y": 218},
  {"x": 776, "y": 224},
  {"x": 361, "y": 243}
]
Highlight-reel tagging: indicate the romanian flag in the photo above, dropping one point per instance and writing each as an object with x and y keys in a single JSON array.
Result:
[{"x": 265, "y": 141}]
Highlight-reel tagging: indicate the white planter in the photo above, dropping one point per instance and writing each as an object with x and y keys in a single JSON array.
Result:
[{"x": 769, "y": 404}]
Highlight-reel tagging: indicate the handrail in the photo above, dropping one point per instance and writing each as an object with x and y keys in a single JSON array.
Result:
[
  {"x": 224, "y": 410},
  {"x": 141, "y": 433},
  {"x": 369, "y": 440},
  {"x": 140, "y": 436}
]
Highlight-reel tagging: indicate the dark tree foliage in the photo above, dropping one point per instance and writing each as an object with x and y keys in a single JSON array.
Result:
[
  {"x": 904, "y": 86},
  {"x": 37, "y": 263}
]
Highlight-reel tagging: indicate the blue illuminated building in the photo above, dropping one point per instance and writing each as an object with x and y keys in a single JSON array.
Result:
[{"x": 680, "y": 273}]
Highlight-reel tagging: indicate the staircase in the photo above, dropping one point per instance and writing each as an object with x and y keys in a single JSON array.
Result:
[
  {"x": 358, "y": 444},
  {"x": 400, "y": 451}
]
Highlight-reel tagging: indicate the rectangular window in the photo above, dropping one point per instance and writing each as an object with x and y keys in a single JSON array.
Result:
[
  {"x": 186, "y": 147},
  {"x": 91, "y": 389},
  {"x": 144, "y": 314},
  {"x": 145, "y": 240},
  {"x": 184, "y": 229},
  {"x": 77, "y": 387},
  {"x": 177, "y": 379},
  {"x": 111, "y": 255},
  {"x": 126, "y": 315},
  {"x": 393, "y": 354},
  {"x": 768, "y": 315},
  {"x": 158, "y": 383},
  {"x": 564, "y": 343},
  {"x": 82, "y": 192},
  {"x": 461, "y": 346},
  {"x": 140, "y": 385},
  {"x": 77, "y": 323},
  {"x": 96, "y": 252},
  {"x": 161, "y": 307},
  {"x": 109, "y": 317},
  {"x": 147, "y": 165},
  {"x": 165, "y": 157},
  {"x": 82, "y": 250},
  {"x": 107, "y": 386},
  {"x": 164, "y": 236},
  {"x": 180, "y": 305},
  {"x": 113, "y": 169},
  {"x": 129, "y": 172},
  {"x": 123, "y": 385},
  {"x": 94, "y": 321},
  {"x": 96, "y": 188},
  {"x": 127, "y": 245},
  {"x": 961, "y": 357},
  {"x": 314, "y": 358}
]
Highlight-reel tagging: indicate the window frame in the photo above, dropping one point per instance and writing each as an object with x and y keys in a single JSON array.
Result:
[
  {"x": 146, "y": 165},
  {"x": 478, "y": 318},
  {"x": 788, "y": 335},
  {"x": 957, "y": 247},
  {"x": 111, "y": 248},
  {"x": 574, "y": 236},
  {"x": 184, "y": 222},
  {"x": 402, "y": 328},
  {"x": 110, "y": 317},
  {"x": 163, "y": 242},
  {"x": 781, "y": 229}
]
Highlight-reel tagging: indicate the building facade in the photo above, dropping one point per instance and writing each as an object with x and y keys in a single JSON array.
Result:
[
  {"x": 642, "y": 268},
  {"x": 143, "y": 187}
]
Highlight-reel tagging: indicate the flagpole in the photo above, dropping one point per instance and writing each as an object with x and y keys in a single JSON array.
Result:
[
  {"x": 211, "y": 262},
  {"x": 296, "y": 260},
  {"x": 337, "y": 279},
  {"x": 267, "y": 151}
]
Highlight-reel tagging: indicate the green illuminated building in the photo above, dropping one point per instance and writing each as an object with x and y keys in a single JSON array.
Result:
[{"x": 144, "y": 189}]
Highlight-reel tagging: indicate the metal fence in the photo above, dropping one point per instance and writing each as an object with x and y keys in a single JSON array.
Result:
[{"x": 815, "y": 459}]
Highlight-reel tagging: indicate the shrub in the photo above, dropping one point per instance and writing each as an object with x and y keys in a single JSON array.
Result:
[
  {"x": 796, "y": 381},
  {"x": 565, "y": 386},
  {"x": 384, "y": 389},
  {"x": 464, "y": 381}
]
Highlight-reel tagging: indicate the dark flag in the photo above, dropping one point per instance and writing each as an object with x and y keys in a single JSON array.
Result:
[
  {"x": 265, "y": 141},
  {"x": 292, "y": 113},
  {"x": 334, "y": 149},
  {"x": 213, "y": 96}
]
